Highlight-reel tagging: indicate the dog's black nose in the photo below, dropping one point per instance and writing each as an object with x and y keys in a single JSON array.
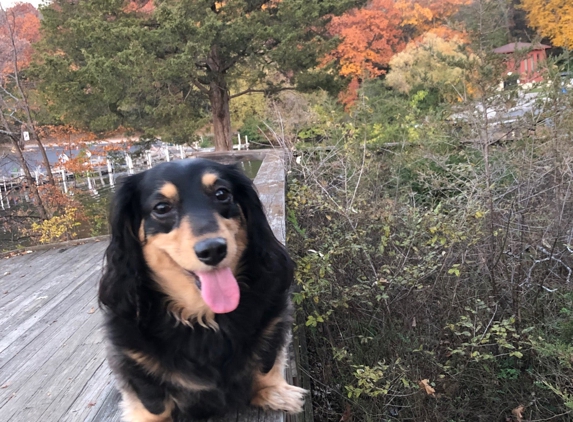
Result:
[{"x": 211, "y": 251}]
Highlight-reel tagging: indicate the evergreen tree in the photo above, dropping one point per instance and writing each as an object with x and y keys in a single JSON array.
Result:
[{"x": 162, "y": 66}]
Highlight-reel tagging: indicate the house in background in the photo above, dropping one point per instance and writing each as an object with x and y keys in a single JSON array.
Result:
[{"x": 524, "y": 59}]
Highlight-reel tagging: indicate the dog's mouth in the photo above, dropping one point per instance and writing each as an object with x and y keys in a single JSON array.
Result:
[
  {"x": 219, "y": 289},
  {"x": 195, "y": 278}
]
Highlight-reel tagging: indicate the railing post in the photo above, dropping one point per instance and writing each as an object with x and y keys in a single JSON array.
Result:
[
  {"x": 110, "y": 172},
  {"x": 149, "y": 159},
  {"x": 64, "y": 180},
  {"x": 129, "y": 163}
]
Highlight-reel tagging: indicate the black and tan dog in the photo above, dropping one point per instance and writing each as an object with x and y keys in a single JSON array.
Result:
[{"x": 196, "y": 296}]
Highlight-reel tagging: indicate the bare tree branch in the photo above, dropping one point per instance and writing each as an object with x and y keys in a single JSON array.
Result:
[{"x": 261, "y": 91}]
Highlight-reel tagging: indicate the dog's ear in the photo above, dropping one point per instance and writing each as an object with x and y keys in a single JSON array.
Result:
[
  {"x": 263, "y": 247},
  {"x": 125, "y": 265}
]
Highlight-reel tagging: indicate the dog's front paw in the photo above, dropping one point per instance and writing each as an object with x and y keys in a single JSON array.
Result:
[{"x": 280, "y": 397}]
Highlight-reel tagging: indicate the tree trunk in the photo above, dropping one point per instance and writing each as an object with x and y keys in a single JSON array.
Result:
[
  {"x": 24, "y": 164},
  {"x": 219, "y": 98},
  {"x": 30, "y": 180},
  {"x": 36, "y": 137},
  {"x": 24, "y": 101}
]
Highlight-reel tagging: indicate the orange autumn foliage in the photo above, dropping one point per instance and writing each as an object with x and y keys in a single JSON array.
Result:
[
  {"x": 446, "y": 33},
  {"x": 372, "y": 35},
  {"x": 142, "y": 6},
  {"x": 349, "y": 96},
  {"x": 424, "y": 15},
  {"x": 369, "y": 38},
  {"x": 55, "y": 200},
  {"x": 65, "y": 134},
  {"x": 77, "y": 164},
  {"x": 24, "y": 23}
]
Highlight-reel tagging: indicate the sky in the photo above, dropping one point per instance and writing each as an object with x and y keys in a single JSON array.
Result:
[{"x": 9, "y": 3}]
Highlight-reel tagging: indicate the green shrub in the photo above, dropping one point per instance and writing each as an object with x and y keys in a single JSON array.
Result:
[{"x": 434, "y": 279}]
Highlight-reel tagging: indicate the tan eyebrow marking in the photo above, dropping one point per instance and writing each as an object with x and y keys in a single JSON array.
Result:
[
  {"x": 209, "y": 179},
  {"x": 169, "y": 190}
]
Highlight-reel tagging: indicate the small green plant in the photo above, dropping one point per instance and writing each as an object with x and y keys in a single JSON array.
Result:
[{"x": 370, "y": 381}]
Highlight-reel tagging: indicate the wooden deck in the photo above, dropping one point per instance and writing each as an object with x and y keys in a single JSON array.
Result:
[{"x": 52, "y": 355}]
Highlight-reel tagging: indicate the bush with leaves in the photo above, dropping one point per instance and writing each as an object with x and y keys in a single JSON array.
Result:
[
  {"x": 431, "y": 62},
  {"x": 435, "y": 276},
  {"x": 58, "y": 227}
]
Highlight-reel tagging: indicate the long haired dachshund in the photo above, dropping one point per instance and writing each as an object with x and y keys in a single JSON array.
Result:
[{"x": 195, "y": 294}]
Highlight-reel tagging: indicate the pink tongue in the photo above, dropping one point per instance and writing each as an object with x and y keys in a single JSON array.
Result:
[{"x": 219, "y": 290}]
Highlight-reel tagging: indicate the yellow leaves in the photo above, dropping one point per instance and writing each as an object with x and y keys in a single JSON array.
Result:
[
  {"x": 62, "y": 227},
  {"x": 270, "y": 4},
  {"x": 349, "y": 68},
  {"x": 426, "y": 387},
  {"x": 552, "y": 18},
  {"x": 426, "y": 14},
  {"x": 414, "y": 14},
  {"x": 428, "y": 62},
  {"x": 219, "y": 5}
]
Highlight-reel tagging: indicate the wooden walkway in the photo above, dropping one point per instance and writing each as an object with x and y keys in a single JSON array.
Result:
[
  {"x": 52, "y": 359},
  {"x": 52, "y": 355}
]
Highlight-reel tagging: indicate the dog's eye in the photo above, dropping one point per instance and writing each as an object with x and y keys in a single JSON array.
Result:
[
  {"x": 162, "y": 208},
  {"x": 222, "y": 195}
]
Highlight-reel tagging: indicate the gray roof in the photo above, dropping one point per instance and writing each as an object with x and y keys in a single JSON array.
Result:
[{"x": 515, "y": 46}]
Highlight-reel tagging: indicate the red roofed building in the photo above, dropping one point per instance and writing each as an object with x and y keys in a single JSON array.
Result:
[{"x": 531, "y": 56}]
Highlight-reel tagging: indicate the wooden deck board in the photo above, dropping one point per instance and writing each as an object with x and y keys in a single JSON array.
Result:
[
  {"x": 17, "y": 263},
  {"x": 48, "y": 332},
  {"x": 47, "y": 311},
  {"x": 52, "y": 351},
  {"x": 20, "y": 282},
  {"x": 47, "y": 292},
  {"x": 16, "y": 279},
  {"x": 49, "y": 359}
]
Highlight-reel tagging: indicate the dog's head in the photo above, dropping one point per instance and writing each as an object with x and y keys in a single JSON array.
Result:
[{"x": 185, "y": 226}]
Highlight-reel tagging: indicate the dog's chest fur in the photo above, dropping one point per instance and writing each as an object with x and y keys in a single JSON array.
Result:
[{"x": 205, "y": 355}]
